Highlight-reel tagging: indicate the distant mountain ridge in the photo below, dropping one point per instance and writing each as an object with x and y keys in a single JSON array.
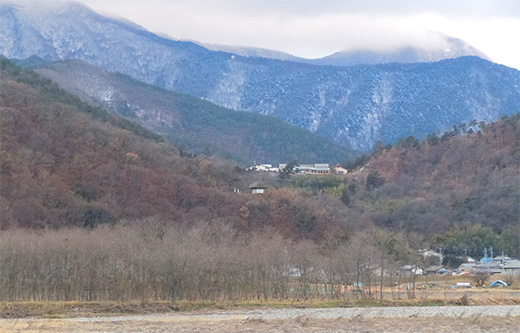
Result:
[
  {"x": 196, "y": 125},
  {"x": 255, "y": 52},
  {"x": 356, "y": 106},
  {"x": 446, "y": 47}
]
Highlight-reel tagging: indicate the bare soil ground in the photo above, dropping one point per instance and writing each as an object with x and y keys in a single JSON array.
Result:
[{"x": 387, "y": 319}]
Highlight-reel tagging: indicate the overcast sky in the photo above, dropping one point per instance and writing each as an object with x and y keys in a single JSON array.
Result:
[{"x": 315, "y": 28}]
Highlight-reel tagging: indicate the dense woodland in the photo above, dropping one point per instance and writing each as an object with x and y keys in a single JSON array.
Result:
[
  {"x": 94, "y": 207},
  {"x": 151, "y": 261},
  {"x": 459, "y": 190},
  {"x": 65, "y": 163}
]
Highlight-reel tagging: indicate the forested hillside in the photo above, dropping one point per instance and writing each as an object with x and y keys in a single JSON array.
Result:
[
  {"x": 460, "y": 190},
  {"x": 194, "y": 124},
  {"x": 65, "y": 163}
]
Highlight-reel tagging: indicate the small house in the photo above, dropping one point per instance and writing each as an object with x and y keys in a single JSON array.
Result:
[
  {"x": 409, "y": 270},
  {"x": 501, "y": 259},
  {"x": 257, "y": 188},
  {"x": 340, "y": 170},
  {"x": 318, "y": 168},
  {"x": 466, "y": 267},
  {"x": 487, "y": 267},
  {"x": 433, "y": 269},
  {"x": 511, "y": 267}
]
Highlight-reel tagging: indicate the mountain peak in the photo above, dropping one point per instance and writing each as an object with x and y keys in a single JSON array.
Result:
[
  {"x": 356, "y": 106},
  {"x": 46, "y": 7},
  {"x": 432, "y": 47}
]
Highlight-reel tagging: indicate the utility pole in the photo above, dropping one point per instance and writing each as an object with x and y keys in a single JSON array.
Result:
[{"x": 440, "y": 258}]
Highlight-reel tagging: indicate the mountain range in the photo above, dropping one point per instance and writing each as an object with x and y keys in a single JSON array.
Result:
[
  {"x": 195, "y": 125},
  {"x": 441, "y": 47},
  {"x": 355, "y": 106}
]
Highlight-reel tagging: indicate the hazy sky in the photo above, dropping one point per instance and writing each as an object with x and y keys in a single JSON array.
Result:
[{"x": 315, "y": 28}]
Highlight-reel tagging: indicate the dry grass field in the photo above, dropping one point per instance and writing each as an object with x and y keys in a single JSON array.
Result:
[{"x": 437, "y": 306}]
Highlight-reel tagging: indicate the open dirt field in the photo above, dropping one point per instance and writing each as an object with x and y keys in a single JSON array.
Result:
[{"x": 382, "y": 319}]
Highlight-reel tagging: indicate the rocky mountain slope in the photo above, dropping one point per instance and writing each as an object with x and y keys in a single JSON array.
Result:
[
  {"x": 254, "y": 52},
  {"x": 194, "y": 124},
  {"x": 356, "y": 106}
]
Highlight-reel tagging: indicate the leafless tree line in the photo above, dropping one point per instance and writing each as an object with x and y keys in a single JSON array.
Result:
[{"x": 150, "y": 261}]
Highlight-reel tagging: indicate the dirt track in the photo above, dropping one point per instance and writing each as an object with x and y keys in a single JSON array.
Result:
[{"x": 390, "y": 319}]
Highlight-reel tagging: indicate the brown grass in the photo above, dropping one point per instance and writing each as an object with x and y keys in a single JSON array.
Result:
[{"x": 88, "y": 309}]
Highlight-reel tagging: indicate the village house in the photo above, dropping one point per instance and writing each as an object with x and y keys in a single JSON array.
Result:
[
  {"x": 302, "y": 169},
  {"x": 318, "y": 168},
  {"x": 466, "y": 268},
  {"x": 511, "y": 267},
  {"x": 263, "y": 167},
  {"x": 433, "y": 269},
  {"x": 257, "y": 188},
  {"x": 501, "y": 259},
  {"x": 488, "y": 267},
  {"x": 409, "y": 270},
  {"x": 340, "y": 170},
  {"x": 430, "y": 253}
]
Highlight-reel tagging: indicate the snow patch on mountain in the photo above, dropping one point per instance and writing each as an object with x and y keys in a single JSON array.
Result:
[{"x": 356, "y": 105}]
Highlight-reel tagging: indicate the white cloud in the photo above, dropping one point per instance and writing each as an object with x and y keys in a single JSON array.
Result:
[{"x": 449, "y": 8}]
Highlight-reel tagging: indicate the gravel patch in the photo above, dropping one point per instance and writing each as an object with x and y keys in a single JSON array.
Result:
[
  {"x": 382, "y": 319},
  {"x": 327, "y": 313}
]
